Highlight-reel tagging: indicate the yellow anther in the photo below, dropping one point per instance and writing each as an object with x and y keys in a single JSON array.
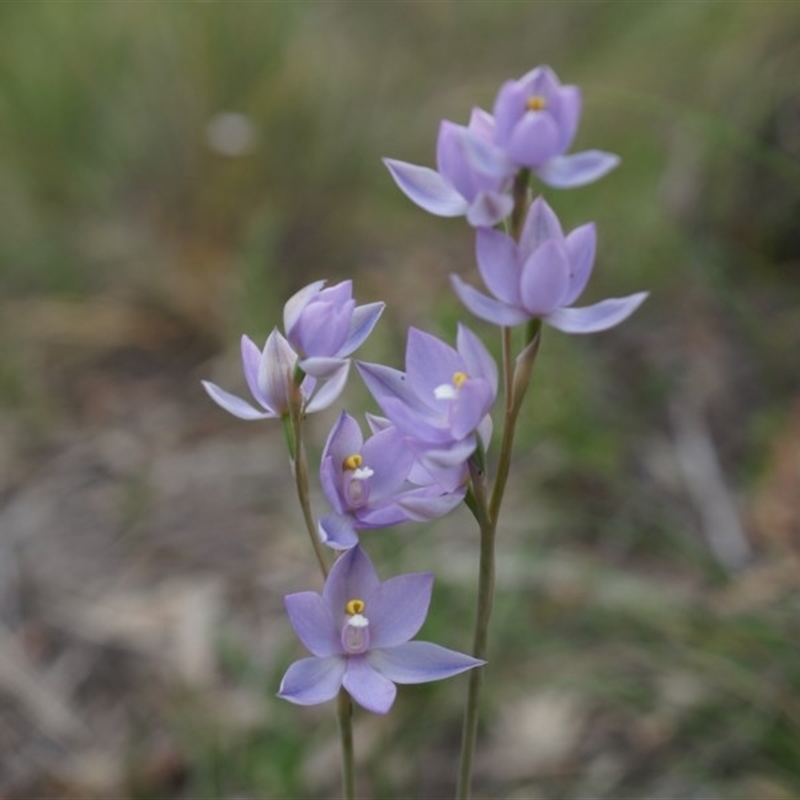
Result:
[
  {"x": 353, "y": 607},
  {"x": 536, "y": 103},
  {"x": 459, "y": 378},
  {"x": 353, "y": 461}
]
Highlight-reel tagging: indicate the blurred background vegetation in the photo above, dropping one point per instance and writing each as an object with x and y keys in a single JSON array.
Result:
[{"x": 170, "y": 173}]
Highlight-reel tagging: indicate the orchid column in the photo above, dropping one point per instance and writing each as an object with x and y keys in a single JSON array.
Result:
[{"x": 533, "y": 271}]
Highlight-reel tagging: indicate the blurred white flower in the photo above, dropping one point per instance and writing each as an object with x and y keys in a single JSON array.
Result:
[{"x": 231, "y": 134}]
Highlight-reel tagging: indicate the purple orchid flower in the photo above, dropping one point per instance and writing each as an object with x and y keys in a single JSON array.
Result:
[
  {"x": 541, "y": 276},
  {"x": 442, "y": 400},
  {"x": 535, "y": 122},
  {"x": 269, "y": 375},
  {"x": 367, "y": 484},
  {"x": 359, "y": 632},
  {"x": 473, "y": 175},
  {"x": 440, "y": 472},
  {"x": 325, "y": 326}
]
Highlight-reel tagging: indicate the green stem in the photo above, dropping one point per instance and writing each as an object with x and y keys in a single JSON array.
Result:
[
  {"x": 297, "y": 452},
  {"x": 519, "y": 386},
  {"x": 345, "y": 715},
  {"x": 521, "y": 194},
  {"x": 469, "y": 732}
]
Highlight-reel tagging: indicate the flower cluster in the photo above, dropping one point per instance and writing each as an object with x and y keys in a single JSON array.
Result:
[
  {"x": 323, "y": 327},
  {"x": 427, "y": 453},
  {"x": 534, "y": 122}
]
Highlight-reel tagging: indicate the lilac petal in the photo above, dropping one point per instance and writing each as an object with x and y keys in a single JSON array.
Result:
[
  {"x": 469, "y": 408},
  {"x": 313, "y": 680},
  {"x": 361, "y": 325},
  {"x": 344, "y": 440},
  {"x": 487, "y": 308},
  {"x": 338, "y": 533},
  {"x": 479, "y": 361},
  {"x": 578, "y": 169},
  {"x": 598, "y": 317},
  {"x": 545, "y": 278},
  {"x": 377, "y": 423},
  {"x": 420, "y": 425},
  {"x": 498, "y": 263},
  {"x": 387, "y": 454},
  {"x": 297, "y": 302},
  {"x": 351, "y": 577},
  {"x": 321, "y": 366},
  {"x": 251, "y": 357},
  {"x": 275, "y": 372},
  {"x": 387, "y": 383},
  {"x": 330, "y": 478},
  {"x": 429, "y": 475},
  {"x": 488, "y": 208},
  {"x": 565, "y": 105},
  {"x": 380, "y": 516},
  {"x": 429, "y": 363},
  {"x": 421, "y": 506},
  {"x": 581, "y": 246},
  {"x": 454, "y": 455},
  {"x": 233, "y": 404},
  {"x": 488, "y": 163},
  {"x": 329, "y": 390},
  {"x": 535, "y": 139},
  {"x": 397, "y": 608},
  {"x": 448, "y": 479},
  {"x": 508, "y": 110},
  {"x": 338, "y": 294},
  {"x": 312, "y": 622},
  {"x": 481, "y": 124},
  {"x": 540, "y": 80},
  {"x": 427, "y": 188},
  {"x": 541, "y": 225},
  {"x": 322, "y": 328},
  {"x": 368, "y": 688},
  {"x": 420, "y": 662},
  {"x": 485, "y": 431},
  {"x": 452, "y": 161}
]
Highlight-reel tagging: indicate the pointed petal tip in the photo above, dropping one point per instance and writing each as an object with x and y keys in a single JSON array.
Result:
[
  {"x": 312, "y": 680},
  {"x": 427, "y": 188},
  {"x": 598, "y": 317},
  {"x": 337, "y": 532},
  {"x": 577, "y": 169},
  {"x": 235, "y": 405},
  {"x": 330, "y": 389},
  {"x": 321, "y": 366},
  {"x": 486, "y": 308}
]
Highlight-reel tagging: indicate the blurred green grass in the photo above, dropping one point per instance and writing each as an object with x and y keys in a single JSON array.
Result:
[{"x": 109, "y": 189}]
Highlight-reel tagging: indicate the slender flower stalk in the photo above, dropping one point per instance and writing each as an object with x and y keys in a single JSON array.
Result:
[
  {"x": 300, "y": 470},
  {"x": 344, "y": 713}
]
